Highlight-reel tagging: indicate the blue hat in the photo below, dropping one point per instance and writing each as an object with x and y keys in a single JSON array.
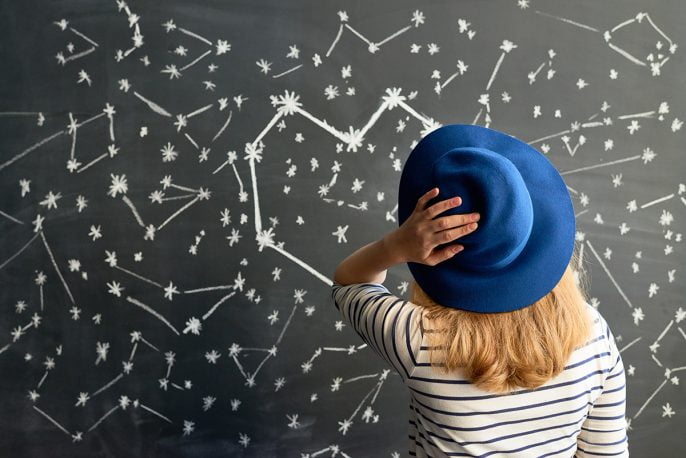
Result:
[{"x": 525, "y": 237}]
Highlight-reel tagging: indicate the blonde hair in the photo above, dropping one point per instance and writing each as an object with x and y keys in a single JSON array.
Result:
[{"x": 503, "y": 351}]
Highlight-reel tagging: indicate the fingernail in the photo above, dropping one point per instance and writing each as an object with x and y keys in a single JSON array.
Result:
[
  {"x": 458, "y": 249},
  {"x": 472, "y": 226},
  {"x": 476, "y": 216}
]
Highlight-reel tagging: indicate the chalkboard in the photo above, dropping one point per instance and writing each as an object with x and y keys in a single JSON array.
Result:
[{"x": 180, "y": 180}]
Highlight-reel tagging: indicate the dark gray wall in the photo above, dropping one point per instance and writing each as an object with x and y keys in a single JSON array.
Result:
[{"x": 107, "y": 245}]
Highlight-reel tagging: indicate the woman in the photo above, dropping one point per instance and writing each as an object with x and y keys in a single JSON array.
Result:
[{"x": 501, "y": 352}]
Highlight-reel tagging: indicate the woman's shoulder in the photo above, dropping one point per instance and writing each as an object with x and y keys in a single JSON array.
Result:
[
  {"x": 601, "y": 333},
  {"x": 597, "y": 318}
]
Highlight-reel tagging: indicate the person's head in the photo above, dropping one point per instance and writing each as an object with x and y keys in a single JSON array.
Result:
[{"x": 500, "y": 352}]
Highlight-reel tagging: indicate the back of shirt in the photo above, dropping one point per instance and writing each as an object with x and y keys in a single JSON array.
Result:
[{"x": 578, "y": 413}]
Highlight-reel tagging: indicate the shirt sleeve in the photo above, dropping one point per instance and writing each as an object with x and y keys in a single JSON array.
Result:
[
  {"x": 604, "y": 430},
  {"x": 386, "y": 323}
]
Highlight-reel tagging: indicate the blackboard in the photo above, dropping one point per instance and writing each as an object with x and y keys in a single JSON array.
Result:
[{"x": 180, "y": 180}]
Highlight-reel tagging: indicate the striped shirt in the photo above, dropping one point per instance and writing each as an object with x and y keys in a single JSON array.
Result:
[{"x": 578, "y": 413}]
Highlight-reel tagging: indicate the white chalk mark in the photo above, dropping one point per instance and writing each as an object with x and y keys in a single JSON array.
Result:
[
  {"x": 190, "y": 139},
  {"x": 619, "y": 26},
  {"x": 662, "y": 334},
  {"x": 153, "y": 312},
  {"x": 375, "y": 387},
  {"x": 154, "y": 412},
  {"x": 110, "y": 412},
  {"x": 199, "y": 110},
  {"x": 605, "y": 164},
  {"x": 393, "y": 35},
  {"x": 607, "y": 271},
  {"x": 649, "y": 399},
  {"x": 8, "y": 260},
  {"x": 656, "y": 201},
  {"x": 183, "y": 188},
  {"x": 409, "y": 109},
  {"x": 209, "y": 288},
  {"x": 362, "y": 37},
  {"x": 178, "y": 212},
  {"x": 131, "y": 205},
  {"x": 214, "y": 307},
  {"x": 569, "y": 21},
  {"x": 495, "y": 70},
  {"x": 108, "y": 384},
  {"x": 338, "y": 36},
  {"x": 45, "y": 375},
  {"x": 285, "y": 326},
  {"x": 78, "y": 55},
  {"x": 198, "y": 59},
  {"x": 630, "y": 343},
  {"x": 133, "y": 350},
  {"x": 626, "y": 54},
  {"x": 52, "y": 420},
  {"x": 240, "y": 182},
  {"x": 153, "y": 106},
  {"x": 31, "y": 148},
  {"x": 240, "y": 368},
  {"x": 656, "y": 360},
  {"x": 195, "y": 35},
  {"x": 223, "y": 127},
  {"x": 93, "y": 162},
  {"x": 150, "y": 345},
  {"x": 287, "y": 71},
  {"x": 255, "y": 143},
  {"x": 549, "y": 136},
  {"x": 302, "y": 264},
  {"x": 378, "y": 389},
  {"x": 646, "y": 114},
  {"x": 91, "y": 119},
  {"x": 360, "y": 377},
  {"x": 57, "y": 269},
  {"x": 138, "y": 276},
  {"x": 83, "y": 36},
  {"x": 259, "y": 366},
  {"x": 19, "y": 113}
]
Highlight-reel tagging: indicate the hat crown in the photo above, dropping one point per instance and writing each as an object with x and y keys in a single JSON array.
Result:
[
  {"x": 490, "y": 184},
  {"x": 526, "y": 233}
]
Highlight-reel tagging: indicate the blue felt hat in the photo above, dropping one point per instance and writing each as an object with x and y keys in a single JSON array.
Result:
[{"x": 525, "y": 238}]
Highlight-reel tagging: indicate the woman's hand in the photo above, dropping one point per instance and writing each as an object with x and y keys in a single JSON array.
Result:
[{"x": 416, "y": 239}]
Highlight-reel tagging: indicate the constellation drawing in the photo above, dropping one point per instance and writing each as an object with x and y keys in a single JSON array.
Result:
[
  {"x": 654, "y": 62},
  {"x": 189, "y": 215}
]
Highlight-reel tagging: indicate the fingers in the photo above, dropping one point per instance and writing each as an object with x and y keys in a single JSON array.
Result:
[
  {"x": 421, "y": 202},
  {"x": 442, "y": 206},
  {"x": 444, "y": 254},
  {"x": 452, "y": 234},
  {"x": 451, "y": 221}
]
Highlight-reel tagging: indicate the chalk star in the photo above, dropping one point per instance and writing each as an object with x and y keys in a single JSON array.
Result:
[{"x": 340, "y": 233}]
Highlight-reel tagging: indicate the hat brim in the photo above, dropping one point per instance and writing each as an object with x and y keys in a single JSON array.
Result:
[{"x": 544, "y": 258}]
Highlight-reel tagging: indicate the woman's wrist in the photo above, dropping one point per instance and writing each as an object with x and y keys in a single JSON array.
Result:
[{"x": 393, "y": 248}]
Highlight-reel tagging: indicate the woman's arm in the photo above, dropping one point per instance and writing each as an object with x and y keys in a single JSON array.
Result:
[
  {"x": 369, "y": 263},
  {"x": 415, "y": 240}
]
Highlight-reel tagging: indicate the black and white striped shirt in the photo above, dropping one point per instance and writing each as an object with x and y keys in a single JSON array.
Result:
[{"x": 580, "y": 412}]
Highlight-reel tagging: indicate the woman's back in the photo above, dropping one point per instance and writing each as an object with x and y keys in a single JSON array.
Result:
[
  {"x": 580, "y": 411},
  {"x": 584, "y": 403}
]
